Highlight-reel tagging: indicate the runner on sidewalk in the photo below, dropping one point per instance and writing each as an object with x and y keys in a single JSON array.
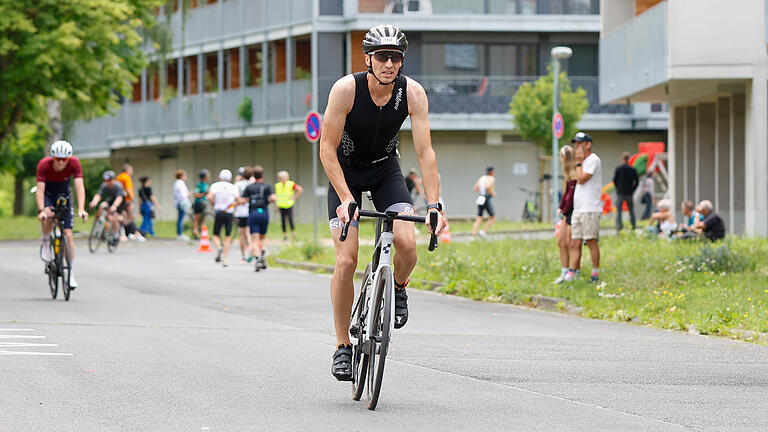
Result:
[
  {"x": 258, "y": 195},
  {"x": 241, "y": 214},
  {"x": 223, "y": 195}
]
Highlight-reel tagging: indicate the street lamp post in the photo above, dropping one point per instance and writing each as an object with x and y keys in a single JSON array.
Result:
[{"x": 558, "y": 53}]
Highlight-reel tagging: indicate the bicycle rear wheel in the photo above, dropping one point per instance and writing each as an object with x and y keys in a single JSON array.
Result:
[
  {"x": 65, "y": 267},
  {"x": 96, "y": 235},
  {"x": 381, "y": 308},
  {"x": 359, "y": 358},
  {"x": 112, "y": 240}
]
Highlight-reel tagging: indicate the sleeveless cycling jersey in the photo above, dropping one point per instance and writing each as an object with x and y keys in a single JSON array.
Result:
[
  {"x": 258, "y": 195},
  {"x": 371, "y": 132}
]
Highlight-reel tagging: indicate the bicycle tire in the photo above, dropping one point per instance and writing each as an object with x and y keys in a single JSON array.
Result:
[
  {"x": 112, "y": 242},
  {"x": 382, "y": 310},
  {"x": 52, "y": 270},
  {"x": 360, "y": 359},
  {"x": 96, "y": 235},
  {"x": 65, "y": 267}
]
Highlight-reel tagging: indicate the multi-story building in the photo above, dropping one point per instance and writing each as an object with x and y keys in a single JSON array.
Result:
[
  {"x": 230, "y": 57},
  {"x": 707, "y": 59}
]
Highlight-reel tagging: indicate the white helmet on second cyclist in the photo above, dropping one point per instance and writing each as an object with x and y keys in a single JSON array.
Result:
[{"x": 61, "y": 149}]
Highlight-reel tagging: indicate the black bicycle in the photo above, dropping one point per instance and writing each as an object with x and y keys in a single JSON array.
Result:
[
  {"x": 373, "y": 314},
  {"x": 59, "y": 268},
  {"x": 101, "y": 232}
]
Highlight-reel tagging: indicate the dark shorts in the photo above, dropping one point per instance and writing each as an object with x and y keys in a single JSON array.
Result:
[
  {"x": 487, "y": 207},
  {"x": 222, "y": 220},
  {"x": 568, "y": 217},
  {"x": 68, "y": 216},
  {"x": 258, "y": 221},
  {"x": 242, "y": 222},
  {"x": 198, "y": 207},
  {"x": 385, "y": 181}
]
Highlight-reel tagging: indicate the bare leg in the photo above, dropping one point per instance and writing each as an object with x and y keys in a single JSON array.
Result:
[
  {"x": 476, "y": 225},
  {"x": 342, "y": 285},
  {"x": 575, "y": 254},
  {"x": 489, "y": 223},
  {"x": 405, "y": 250},
  {"x": 563, "y": 243},
  {"x": 227, "y": 244},
  {"x": 594, "y": 252},
  {"x": 216, "y": 241},
  {"x": 71, "y": 243}
]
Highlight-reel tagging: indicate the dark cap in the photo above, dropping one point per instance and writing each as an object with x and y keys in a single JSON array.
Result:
[
  {"x": 581, "y": 137},
  {"x": 488, "y": 169},
  {"x": 204, "y": 173}
]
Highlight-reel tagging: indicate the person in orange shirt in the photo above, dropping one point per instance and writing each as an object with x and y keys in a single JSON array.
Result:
[{"x": 127, "y": 211}]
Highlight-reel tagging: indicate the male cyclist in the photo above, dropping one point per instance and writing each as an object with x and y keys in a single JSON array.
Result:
[
  {"x": 53, "y": 174},
  {"x": 360, "y": 135},
  {"x": 111, "y": 192}
]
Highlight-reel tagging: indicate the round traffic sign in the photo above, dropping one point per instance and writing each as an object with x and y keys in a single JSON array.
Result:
[
  {"x": 312, "y": 126},
  {"x": 558, "y": 125}
]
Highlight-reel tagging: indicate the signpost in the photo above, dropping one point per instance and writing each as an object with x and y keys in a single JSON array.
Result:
[
  {"x": 558, "y": 125},
  {"x": 312, "y": 127}
]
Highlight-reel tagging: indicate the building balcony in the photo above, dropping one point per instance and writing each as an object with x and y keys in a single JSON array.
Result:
[
  {"x": 678, "y": 49},
  {"x": 484, "y": 7}
]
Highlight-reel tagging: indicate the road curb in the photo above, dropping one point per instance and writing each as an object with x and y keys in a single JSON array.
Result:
[{"x": 537, "y": 301}]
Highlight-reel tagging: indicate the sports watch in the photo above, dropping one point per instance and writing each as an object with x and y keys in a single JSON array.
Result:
[{"x": 437, "y": 206}]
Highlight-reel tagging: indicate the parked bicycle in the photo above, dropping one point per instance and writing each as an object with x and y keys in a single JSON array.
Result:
[
  {"x": 531, "y": 211},
  {"x": 373, "y": 313},
  {"x": 101, "y": 232},
  {"x": 59, "y": 268}
]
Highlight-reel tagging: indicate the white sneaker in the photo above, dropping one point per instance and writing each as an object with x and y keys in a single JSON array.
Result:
[
  {"x": 481, "y": 234},
  {"x": 560, "y": 279},
  {"x": 140, "y": 238},
  {"x": 131, "y": 236},
  {"x": 72, "y": 281},
  {"x": 182, "y": 237},
  {"x": 569, "y": 277},
  {"x": 45, "y": 252}
]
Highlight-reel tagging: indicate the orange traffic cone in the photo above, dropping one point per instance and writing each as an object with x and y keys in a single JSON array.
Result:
[
  {"x": 446, "y": 236},
  {"x": 205, "y": 241}
]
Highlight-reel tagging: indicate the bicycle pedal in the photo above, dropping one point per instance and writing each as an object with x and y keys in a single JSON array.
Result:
[
  {"x": 354, "y": 330},
  {"x": 376, "y": 339}
]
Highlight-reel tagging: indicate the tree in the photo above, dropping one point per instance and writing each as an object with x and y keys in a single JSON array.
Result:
[
  {"x": 84, "y": 51},
  {"x": 20, "y": 158},
  {"x": 532, "y": 108}
]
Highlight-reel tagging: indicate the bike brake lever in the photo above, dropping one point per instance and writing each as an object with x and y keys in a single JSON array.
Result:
[
  {"x": 433, "y": 237},
  {"x": 345, "y": 228}
]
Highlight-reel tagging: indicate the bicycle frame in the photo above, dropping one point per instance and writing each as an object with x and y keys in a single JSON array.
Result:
[{"x": 382, "y": 258}]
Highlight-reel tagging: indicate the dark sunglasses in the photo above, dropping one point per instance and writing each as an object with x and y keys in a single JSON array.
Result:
[
  {"x": 383, "y": 56},
  {"x": 58, "y": 159}
]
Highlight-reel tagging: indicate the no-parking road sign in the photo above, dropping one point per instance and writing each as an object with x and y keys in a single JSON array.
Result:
[
  {"x": 558, "y": 125},
  {"x": 312, "y": 126}
]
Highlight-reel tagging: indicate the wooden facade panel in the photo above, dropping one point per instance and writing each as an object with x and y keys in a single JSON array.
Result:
[{"x": 643, "y": 5}]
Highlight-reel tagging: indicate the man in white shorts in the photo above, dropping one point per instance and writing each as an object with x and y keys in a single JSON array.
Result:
[
  {"x": 587, "y": 207},
  {"x": 223, "y": 195}
]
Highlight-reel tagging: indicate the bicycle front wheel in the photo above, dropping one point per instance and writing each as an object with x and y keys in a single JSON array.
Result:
[
  {"x": 96, "y": 235},
  {"x": 359, "y": 357},
  {"x": 66, "y": 267},
  {"x": 381, "y": 308},
  {"x": 52, "y": 270}
]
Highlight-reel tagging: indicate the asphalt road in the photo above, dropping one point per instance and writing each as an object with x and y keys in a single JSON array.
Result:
[{"x": 159, "y": 338}]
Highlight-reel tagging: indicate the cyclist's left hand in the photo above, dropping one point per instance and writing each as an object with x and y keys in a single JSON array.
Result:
[
  {"x": 440, "y": 222},
  {"x": 83, "y": 214}
]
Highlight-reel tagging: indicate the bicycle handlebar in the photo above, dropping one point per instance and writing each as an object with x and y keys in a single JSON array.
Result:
[{"x": 394, "y": 216}]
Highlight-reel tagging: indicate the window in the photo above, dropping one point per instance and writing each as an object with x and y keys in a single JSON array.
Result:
[
  {"x": 512, "y": 60},
  {"x": 461, "y": 56},
  {"x": 584, "y": 61},
  {"x": 452, "y": 59}
]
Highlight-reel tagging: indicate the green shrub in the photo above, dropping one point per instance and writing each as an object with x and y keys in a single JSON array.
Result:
[
  {"x": 311, "y": 250},
  {"x": 245, "y": 109},
  {"x": 723, "y": 259}
]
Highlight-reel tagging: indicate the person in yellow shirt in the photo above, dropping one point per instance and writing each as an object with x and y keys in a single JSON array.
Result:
[
  {"x": 287, "y": 192},
  {"x": 127, "y": 208}
]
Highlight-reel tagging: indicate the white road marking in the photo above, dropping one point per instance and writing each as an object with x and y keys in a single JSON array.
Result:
[
  {"x": 2, "y": 329},
  {"x": 21, "y": 337},
  {"x": 33, "y": 353},
  {"x": 24, "y": 344}
]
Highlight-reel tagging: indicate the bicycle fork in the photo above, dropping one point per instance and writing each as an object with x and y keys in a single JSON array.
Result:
[{"x": 383, "y": 273}]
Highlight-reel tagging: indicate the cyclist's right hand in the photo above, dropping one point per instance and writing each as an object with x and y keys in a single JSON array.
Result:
[
  {"x": 342, "y": 211},
  {"x": 44, "y": 214},
  {"x": 84, "y": 215}
]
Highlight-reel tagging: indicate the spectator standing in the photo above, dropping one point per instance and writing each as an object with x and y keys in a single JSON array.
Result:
[
  {"x": 568, "y": 160},
  {"x": 199, "y": 206},
  {"x": 485, "y": 186},
  {"x": 126, "y": 180},
  {"x": 181, "y": 199},
  {"x": 625, "y": 179},
  {"x": 241, "y": 214},
  {"x": 647, "y": 199},
  {"x": 149, "y": 206},
  {"x": 712, "y": 227},
  {"x": 223, "y": 196},
  {"x": 287, "y": 192},
  {"x": 413, "y": 184},
  {"x": 587, "y": 207}
]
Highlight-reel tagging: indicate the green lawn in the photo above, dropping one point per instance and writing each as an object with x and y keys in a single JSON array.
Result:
[{"x": 675, "y": 285}]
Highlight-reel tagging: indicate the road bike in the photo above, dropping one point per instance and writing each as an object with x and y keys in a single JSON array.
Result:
[
  {"x": 60, "y": 266},
  {"x": 373, "y": 314},
  {"x": 101, "y": 232}
]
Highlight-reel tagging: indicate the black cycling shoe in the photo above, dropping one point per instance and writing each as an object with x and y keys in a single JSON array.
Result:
[
  {"x": 401, "y": 308},
  {"x": 342, "y": 363}
]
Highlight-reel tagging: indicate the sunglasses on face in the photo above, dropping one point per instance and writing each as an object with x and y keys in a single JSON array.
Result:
[
  {"x": 383, "y": 56},
  {"x": 58, "y": 159}
]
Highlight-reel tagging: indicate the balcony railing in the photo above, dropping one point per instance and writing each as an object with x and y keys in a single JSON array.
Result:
[
  {"x": 495, "y": 7},
  {"x": 484, "y": 94}
]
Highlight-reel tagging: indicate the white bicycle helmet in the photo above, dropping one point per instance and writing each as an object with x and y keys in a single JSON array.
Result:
[{"x": 61, "y": 149}]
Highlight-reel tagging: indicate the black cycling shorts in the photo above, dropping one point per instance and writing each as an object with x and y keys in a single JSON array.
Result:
[
  {"x": 222, "y": 219},
  {"x": 68, "y": 217},
  {"x": 488, "y": 207},
  {"x": 242, "y": 222},
  {"x": 385, "y": 181}
]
